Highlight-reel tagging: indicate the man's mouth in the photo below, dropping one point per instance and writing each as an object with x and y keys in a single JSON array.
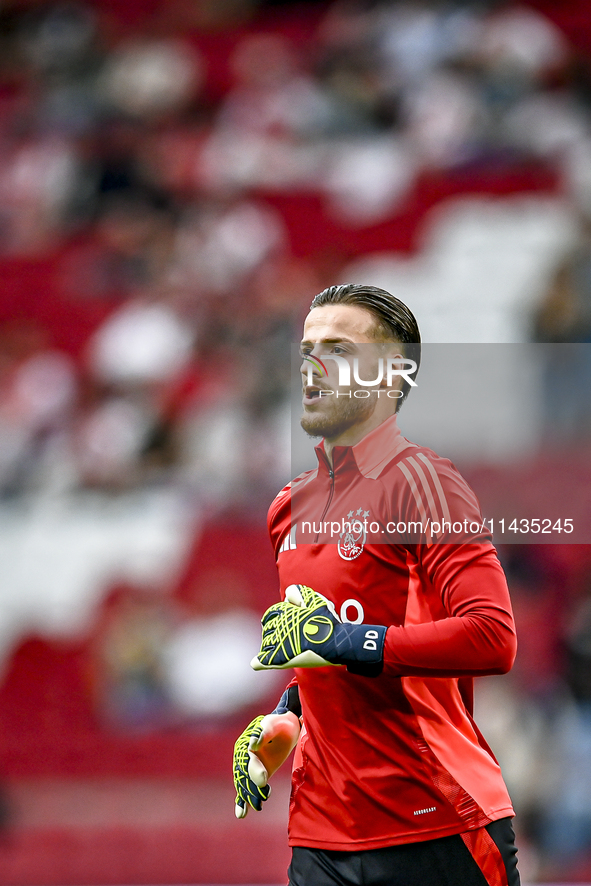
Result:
[{"x": 312, "y": 394}]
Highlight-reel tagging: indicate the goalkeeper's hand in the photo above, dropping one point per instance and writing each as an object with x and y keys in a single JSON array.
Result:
[
  {"x": 304, "y": 631},
  {"x": 263, "y": 747},
  {"x": 250, "y": 778}
]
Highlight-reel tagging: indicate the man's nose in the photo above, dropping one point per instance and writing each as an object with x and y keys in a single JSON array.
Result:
[
  {"x": 309, "y": 370},
  {"x": 310, "y": 367}
]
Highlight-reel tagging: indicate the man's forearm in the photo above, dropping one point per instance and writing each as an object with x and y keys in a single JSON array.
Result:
[
  {"x": 472, "y": 645},
  {"x": 477, "y": 638}
]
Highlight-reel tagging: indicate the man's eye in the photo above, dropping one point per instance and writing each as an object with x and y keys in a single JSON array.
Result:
[{"x": 339, "y": 350}]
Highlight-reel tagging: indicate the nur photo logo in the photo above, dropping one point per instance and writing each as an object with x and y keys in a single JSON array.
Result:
[{"x": 388, "y": 369}]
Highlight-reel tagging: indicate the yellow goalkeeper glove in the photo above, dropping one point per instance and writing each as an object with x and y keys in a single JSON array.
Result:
[
  {"x": 304, "y": 631},
  {"x": 263, "y": 747}
]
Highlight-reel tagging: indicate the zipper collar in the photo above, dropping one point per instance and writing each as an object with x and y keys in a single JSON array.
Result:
[
  {"x": 370, "y": 455},
  {"x": 343, "y": 459}
]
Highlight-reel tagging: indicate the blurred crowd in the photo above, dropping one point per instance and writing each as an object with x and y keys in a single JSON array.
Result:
[
  {"x": 143, "y": 161},
  {"x": 120, "y": 150}
]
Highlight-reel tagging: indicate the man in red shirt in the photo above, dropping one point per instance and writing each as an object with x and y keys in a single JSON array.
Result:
[{"x": 393, "y": 599}]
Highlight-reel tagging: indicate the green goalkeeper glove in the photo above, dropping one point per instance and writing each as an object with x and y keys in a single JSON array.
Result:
[
  {"x": 304, "y": 631},
  {"x": 263, "y": 747},
  {"x": 249, "y": 792}
]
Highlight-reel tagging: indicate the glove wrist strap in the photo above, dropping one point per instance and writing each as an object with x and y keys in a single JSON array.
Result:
[
  {"x": 359, "y": 643},
  {"x": 289, "y": 701}
]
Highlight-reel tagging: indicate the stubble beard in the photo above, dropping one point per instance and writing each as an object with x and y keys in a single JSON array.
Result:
[{"x": 344, "y": 414}]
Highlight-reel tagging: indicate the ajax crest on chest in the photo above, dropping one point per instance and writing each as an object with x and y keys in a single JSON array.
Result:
[{"x": 354, "y": 534}]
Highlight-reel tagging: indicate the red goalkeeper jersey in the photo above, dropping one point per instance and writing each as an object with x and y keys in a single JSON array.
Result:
[{"x": 393, "y": 535}]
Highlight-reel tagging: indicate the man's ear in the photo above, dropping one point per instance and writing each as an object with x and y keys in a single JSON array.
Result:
[{"x": 397, "y": 355}]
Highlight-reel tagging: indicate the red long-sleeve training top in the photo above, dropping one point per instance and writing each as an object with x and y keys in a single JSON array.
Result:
[{"x": 393, "y": 535}]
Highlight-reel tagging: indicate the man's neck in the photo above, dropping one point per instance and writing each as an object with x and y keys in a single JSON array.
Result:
[{"x": 353, "y": 435}]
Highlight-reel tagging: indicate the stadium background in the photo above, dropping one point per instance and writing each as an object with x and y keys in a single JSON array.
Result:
[{"x": 177, "y": 180}]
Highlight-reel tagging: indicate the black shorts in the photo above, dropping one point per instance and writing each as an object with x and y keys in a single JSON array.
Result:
[{"x": 484, "y": 857}]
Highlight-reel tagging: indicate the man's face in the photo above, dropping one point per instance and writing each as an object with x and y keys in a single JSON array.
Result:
[{"x": 346, "y": 331}]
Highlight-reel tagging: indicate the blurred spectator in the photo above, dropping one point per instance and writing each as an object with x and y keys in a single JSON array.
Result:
[
  {"x": 198, "y": 683},
  {"x": 128, "y": 668},
  {"x": 417, "y": 37},
  {"x": 566, "y": 818},
  {"x": 149, "y": 79},
  {"x": 265, "y": 124},
  {"x": 565, "y": 313},
  {"x": 37, "y": 183},
  {"x": 518, "y": 41},
  {"x": 564, "y": 316},
  {"x": 444, "y": 118},
  {"x": 58, "y": 37},
  {"x": 59, "y": 44},
  {"x": 38, "y": 390},
  {"x": 131, "y": 247},
  {"x": 156, "y": 664},
  {"x": 110, "y": 440},
  {"x": 367, "y": 179},
  {"x": 220, "y": 243},
  {"x": 142, "y": 342}
]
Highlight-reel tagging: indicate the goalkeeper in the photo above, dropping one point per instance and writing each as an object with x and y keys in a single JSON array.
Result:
[{"x": 392, "y": 784}]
